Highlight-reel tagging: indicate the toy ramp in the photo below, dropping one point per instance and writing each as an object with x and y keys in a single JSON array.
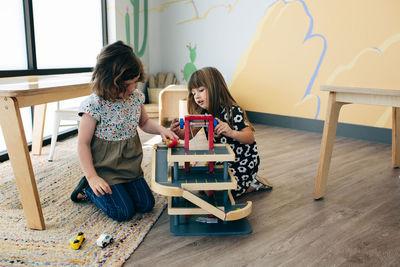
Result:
[
  {"x": 237, "y": 211},
  {"x": 204, "y": 205}
]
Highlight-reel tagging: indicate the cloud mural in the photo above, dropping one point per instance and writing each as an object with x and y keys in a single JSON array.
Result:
[
  {"x": 275, "y": 54},
  {"x": 285, "y": 42},
  {"x": 370, "y": 68}
]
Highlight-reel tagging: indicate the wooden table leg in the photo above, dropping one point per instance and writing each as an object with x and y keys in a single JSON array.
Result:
[
  {"x": 14, "y": 136},
  {"x": 38, "y": 128},
  {"x": 328, "y": 138},
  {"x": 395, "y": 137}
]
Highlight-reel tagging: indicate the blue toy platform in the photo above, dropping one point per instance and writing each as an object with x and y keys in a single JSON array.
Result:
[
  {"x": 193, "y": 213},
  {"x": 193, "y": 227}
]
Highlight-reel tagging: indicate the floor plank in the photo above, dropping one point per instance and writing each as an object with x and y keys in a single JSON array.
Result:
[{"x": 357, "y": 223}]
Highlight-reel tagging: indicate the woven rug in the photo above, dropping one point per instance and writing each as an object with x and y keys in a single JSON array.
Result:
[{"x": 64, "y": 219}]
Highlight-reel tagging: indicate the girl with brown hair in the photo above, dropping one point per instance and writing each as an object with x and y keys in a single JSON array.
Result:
[
  {"x": 209, "y": 95},
  {"x": 109, "y": 147}
]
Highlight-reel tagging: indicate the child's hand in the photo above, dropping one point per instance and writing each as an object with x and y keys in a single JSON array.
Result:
[
  {"x": 223, "y": 128},
  {"x": 175, "y": 126},
  {"x": 98, "y": 185},
  {"x": 168, "y": 134}
]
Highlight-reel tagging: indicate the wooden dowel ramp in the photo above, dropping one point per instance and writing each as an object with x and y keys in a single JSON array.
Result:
[
  {"x": 204, "y": 205},
  {"x": 239, "y": 213}
]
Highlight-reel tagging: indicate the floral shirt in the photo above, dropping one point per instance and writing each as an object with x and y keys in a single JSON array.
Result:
[{"x": 115, "y": 120}]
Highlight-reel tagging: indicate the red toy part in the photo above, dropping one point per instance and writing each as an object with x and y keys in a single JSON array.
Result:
[
  {"x": 209, "y": 119},
  {"x": 171, "y": 142},
  {"x": 204, "y": 119},
  {"x": 209, "y": 193}
]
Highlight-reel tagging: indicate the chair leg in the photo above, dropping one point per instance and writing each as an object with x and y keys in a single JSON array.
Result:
[{"x": 56, "y": 126}]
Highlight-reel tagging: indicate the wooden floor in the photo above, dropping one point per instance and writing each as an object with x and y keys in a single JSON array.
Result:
[{"x": 356, "y": 224}]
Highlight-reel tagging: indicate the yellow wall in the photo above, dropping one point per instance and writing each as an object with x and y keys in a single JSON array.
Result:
[{"x": 350, "y": 43}]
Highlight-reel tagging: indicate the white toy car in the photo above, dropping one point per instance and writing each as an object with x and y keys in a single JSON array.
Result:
[{"x": 104, "y": 240}]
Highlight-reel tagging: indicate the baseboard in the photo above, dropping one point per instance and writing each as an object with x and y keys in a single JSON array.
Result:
[{"x": 367, "y": 133}]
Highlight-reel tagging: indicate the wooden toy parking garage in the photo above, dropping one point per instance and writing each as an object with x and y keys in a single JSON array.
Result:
[{"x": 173, "y": 176}]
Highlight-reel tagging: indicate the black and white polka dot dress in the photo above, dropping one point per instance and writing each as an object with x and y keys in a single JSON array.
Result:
[{"x": 245, "y": 166}]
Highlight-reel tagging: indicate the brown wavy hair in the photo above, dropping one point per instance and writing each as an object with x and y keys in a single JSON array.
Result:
[
  {"x": 218, "y": 94},
  {"x": 116, "y": 64}
]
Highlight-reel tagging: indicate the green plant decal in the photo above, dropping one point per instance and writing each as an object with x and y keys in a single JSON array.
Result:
[
  {"x": 136, "y": 11},
  {"x": 189, "y": 67},
  {"x": 127, "y": 27}
]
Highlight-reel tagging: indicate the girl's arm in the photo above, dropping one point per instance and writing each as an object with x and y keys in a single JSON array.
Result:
[
  {"x": 245, "y": 135},
  {"x": 152, "y": 127},
  {"x": 85, "y": 134}
]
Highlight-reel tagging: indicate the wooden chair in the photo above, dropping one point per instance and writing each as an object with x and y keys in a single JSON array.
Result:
[{"x": 169, "y": 102}]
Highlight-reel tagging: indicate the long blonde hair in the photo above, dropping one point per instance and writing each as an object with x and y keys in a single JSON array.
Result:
[{"x": 218, "y": 94}]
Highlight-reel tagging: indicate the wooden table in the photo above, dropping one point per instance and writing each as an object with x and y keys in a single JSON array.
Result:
[
  {"x": 19, "y": 92},
  {"x": 338, "y": 96}
]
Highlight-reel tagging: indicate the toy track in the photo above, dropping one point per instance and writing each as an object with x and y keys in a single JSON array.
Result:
[{"x": 170, "y": 179}]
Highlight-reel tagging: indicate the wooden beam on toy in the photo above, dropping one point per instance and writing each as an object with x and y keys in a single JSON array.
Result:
[
  {"x": 209, "y": 185},
  {"x": 194, "y": 155},
  {"x": 187, "y": 210},
  {"x": 165, "y": 190},
  {"x": 231, "y": 197},
  {"x": 239, "y": 213},
  {"x": 204, "y": 205}
]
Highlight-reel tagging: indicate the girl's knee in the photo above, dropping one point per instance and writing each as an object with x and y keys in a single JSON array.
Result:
[
  {"x": 121, "y": 214},
  {"x": 148, "y": 205}
]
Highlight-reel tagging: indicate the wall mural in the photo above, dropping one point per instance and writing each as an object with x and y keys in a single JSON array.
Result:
[
  {"x": 136, "y": 26},
  {"x": 189, "y": 67},
  {"x": 204, "y": 15},
  {"x": 308, "y": 36},
  {"x": 275, "y": 54},
  {"x": 297, "y": 55}
]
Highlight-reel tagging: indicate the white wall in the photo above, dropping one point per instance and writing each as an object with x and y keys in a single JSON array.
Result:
[{"x": 221, "y": 29}]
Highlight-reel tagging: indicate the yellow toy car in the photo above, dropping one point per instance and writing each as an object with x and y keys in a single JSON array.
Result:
[{"x": 77, "y": 241}]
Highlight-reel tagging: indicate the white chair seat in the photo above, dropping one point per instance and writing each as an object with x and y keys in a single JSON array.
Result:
[{"x": 69, "y": 114}]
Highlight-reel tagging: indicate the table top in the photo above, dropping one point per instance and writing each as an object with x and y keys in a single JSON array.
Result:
[
  {"x": 41, "y": 84},
  {"x": 360, "y": 90},
  {"x": 36, "y": 90}
]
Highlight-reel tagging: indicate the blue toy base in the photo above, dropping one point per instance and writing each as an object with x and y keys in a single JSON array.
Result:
[{"x": 181, "y": 226}]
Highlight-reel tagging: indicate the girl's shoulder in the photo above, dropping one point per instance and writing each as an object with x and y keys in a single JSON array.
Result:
[
  {"x": 233, "y": 110},
  {"x": 87, "y": 99},
  {"x": 92, "y": 100},
  {"x": 237, "y": 109},
  {"x": 238, "y": 117},
  {"x": 91, "y": 105},
  {"x": 138, "y": 95}
]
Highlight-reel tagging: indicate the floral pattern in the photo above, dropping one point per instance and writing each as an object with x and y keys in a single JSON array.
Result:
[{"x": 115, "y": 120}]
